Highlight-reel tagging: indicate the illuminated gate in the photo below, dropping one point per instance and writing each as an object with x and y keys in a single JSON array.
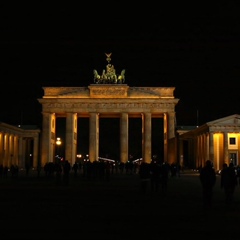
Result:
[{"x": 107, "y": 97}]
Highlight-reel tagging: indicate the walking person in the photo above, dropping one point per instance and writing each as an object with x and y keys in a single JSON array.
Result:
[
  {"x": 208, "y": 179},
  {"x": 228, "y": 182}
]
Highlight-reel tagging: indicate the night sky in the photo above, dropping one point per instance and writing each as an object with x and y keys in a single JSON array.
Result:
[{"x": 197, "y": 53}]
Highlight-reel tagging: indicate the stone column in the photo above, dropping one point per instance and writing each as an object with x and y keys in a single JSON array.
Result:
[
  {"x": 93, "y": 137},
  {"x": 165, "y": 136},
  {"x": 225, "y": 148},
  {"x": 24, "y": 148},
  {"x": 238, "y": 151},
  {"x": 28, "y": 157},
  {"x": 20, "y": 153},
  {"x": 71, "y": 138},
  {"x": 11, "y": 144},
  {"x": 180, "y": 152},
  {"x": 124, "y": 137},
  {"x": 147, "y": 137},
  {"x": 48, "y": 137},
  {"x": 35, "y": 152},
  {"x": 6, "y": 150},
  {"x": 198, "y": 151},
  {"x": 192, "y": 152},
  {"x": 1, "y": 147},
  {"x": 15, "y": 151},
  {"x": 211, "y": 149},
  {"x": 171, "y": 124},
  {"x": 205, "y": 145},
  {"x": 202, "y": 148}
]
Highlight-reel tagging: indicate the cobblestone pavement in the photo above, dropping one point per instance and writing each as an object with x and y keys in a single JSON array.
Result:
[{"x": 38, "y": 208}]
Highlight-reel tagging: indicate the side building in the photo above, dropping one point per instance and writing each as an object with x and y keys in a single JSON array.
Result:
[
  {"x": 218, "y": 141},
  {"x": 19, "y": 145}
]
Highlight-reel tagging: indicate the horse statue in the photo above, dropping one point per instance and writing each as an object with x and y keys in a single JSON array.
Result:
[
  {"x": 109, "y": 75},
  {"x": 97, "y": 77},
  {"x": 121, "y": 78}
]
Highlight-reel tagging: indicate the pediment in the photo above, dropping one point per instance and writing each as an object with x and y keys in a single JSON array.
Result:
[{"x": 226, "y": 121}]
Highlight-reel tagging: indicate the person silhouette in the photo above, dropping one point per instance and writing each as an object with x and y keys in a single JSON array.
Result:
[
  {"x": 144, "y": 173},
  {"x": 208, "y": 179},
  {"x": 228, "y": 181},
  {"x": 66, "y": 172}
]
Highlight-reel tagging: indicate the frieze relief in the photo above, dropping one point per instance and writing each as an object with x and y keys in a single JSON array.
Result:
[
  {"x": 108, "y": 92},
  {"x": 103, "y": 106},
  {"x": 99, "y": 91}
]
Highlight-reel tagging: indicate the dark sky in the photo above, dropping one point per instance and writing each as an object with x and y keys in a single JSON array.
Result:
[{"x": 197, "y": 52}]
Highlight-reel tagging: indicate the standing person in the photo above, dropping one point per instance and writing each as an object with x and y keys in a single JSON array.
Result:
[
  {"x": 228, "y": 182},
  {"x": 238, "y": 173},
  {"x": 66, "y": 171},
  {"x": 144, "y": 173},
  {"x": 155, "y": 171},
  {"x": 208, "y": 179},
  {"x": 165, "y": 169},
  {"x": 58, "y": 170},
  {"x": 75, "y": 169}
]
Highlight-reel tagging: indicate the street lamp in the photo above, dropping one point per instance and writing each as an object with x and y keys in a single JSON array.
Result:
[{"x": 58, "y": 143}]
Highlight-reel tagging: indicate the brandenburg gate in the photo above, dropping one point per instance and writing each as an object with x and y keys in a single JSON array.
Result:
[{"x": 108, "y": 96}]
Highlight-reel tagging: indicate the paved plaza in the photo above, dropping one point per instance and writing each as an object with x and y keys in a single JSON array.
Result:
[{"x": 39, "y": 208}]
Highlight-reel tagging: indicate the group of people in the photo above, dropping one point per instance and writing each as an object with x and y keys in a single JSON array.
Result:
[
  {"x": 58, "y": 169},
  {"x": 228, "y": 182},
  {"x": 154, "y": 174}
]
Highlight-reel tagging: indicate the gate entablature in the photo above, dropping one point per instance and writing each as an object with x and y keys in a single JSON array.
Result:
[
  {"x": 108, "y": 98},
  {"x": 109, "y": 91}
]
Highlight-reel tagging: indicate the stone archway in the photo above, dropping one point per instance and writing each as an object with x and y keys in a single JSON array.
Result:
[{"x": 103, "y": 100}]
